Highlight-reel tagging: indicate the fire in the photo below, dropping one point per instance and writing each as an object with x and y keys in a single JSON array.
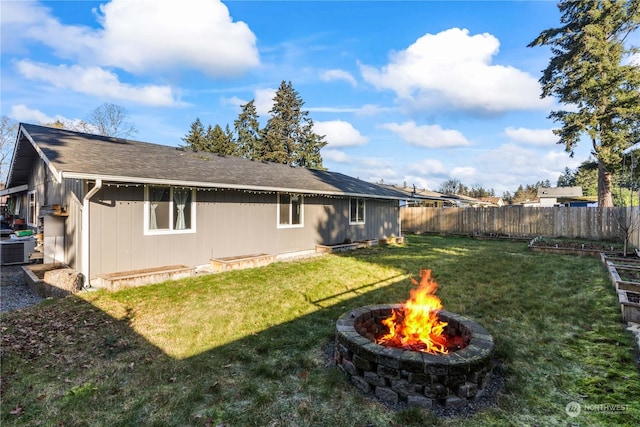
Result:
[{"x": 416, "y": 326}]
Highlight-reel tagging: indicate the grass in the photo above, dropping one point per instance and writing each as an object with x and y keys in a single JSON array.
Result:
[{"x": 248, "y": 348}]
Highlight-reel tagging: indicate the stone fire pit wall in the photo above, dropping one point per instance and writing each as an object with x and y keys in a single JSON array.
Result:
[{"x": 417, "y": 378}]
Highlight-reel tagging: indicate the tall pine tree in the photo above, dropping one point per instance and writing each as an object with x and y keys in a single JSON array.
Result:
[
  {"x": 220, "y": 141},
  {"x": 590, "y": 74},
  {"x": 247, "y": 129},
  {"x": 288, "y": 136},
  {"x": 196, "y": 139}
]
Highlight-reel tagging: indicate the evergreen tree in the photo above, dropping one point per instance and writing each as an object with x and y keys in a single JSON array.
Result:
[
  {"x": 196, "y": 139},
  {"x": 247, "y": 129},
  {"x": 586, "y": 176},
  {"x": 567, "y": 179},
  {"x": 220, "y": 141},
  {"x": 588, "y": 74},
  {"x": 308, "y": 152},
  {"x": 288, "y": 136}
]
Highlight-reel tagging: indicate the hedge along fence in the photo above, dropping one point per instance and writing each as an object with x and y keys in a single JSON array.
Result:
[{"x": 571, "y": 222}]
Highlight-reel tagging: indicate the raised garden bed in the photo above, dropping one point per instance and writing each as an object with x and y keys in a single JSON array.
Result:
[
  {"x": 575, "y": 247},
  {"x": 630, "y": 305},
  {"x": 624, "y": 273},
  {"x": 500, "y": 236},
  {"x": 241, "y": 262},
  {"x": 346, "y": 246},
  {"x": 146, "y": 276},
  {"x": 52, "y": 280}
]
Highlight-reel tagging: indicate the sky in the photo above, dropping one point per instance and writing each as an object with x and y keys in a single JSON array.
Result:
[{"x": 416, "y": 92}]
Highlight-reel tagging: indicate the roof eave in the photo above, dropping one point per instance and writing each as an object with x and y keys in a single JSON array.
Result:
[
  {"x": 202, "y": 184},
  {"x": 22, "y": 131}
]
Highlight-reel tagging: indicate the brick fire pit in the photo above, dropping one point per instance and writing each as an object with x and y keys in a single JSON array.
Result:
[{"x": 417, "y": 378}]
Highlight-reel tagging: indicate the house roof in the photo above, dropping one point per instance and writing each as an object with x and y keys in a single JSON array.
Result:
[
  {"x": 70, "y": 154},
  {"x": 546, "y": 192}
]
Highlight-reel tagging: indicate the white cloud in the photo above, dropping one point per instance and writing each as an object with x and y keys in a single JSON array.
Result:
[
  {"x": 27, "y": 20},
  {"x": 234, "y": 101},
  {"x": 142, "y": 36},
  {"x": 332, "y": 75},
  {"x": 264, "y": 101},
  {"x": 339, "y": 133},
  {"x": 428, "y": 136},
  {"x": 427, "y": 167},
  {"x": 337, "y": 156},
  {"x": 453, "y": 69},
  {"x": 511, "y": 165},
  {"x": 539, "y": 137},
  {"x": 24, "y": 114},
  {"x": 97, "y": 82},
  {"x": 464, "y": 173},
  {"x": 420, "y": 182}
]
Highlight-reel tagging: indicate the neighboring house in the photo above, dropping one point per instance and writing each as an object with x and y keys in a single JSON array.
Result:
[
  {"x": 422, "y": 197},
  {"x": 109, "y": 205},
  {"x": 469, "y": 202},
  {"x": 417, "y": 197},
  {"x": 493, "y": 201},
  {"x": 561, "y": 196}
]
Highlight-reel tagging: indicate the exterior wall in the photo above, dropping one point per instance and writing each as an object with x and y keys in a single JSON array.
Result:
[
  {"x": 228, "y": 223},
  {"x": 49, "y": 192}
]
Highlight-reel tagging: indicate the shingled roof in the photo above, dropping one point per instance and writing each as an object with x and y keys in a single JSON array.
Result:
[{"x": 84, "y": 156}]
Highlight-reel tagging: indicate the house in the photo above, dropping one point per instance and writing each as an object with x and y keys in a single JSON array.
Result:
[
  {"x": 422, "y": 197},
  {"x": 493, "y": 201},
  {"x": 108, "y": 205},
  {"x": 561, "y": 196},
  {"x": 432, "y": 199}
]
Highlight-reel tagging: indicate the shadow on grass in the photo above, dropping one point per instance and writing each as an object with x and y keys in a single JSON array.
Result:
[{"x": 68, "y": 363}]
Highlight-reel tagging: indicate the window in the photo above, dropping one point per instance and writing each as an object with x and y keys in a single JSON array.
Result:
[
  {"x": 356, "y": 211},
  {"x": 290, "y": 213},
  {"x": 169, "y": 210},
  {"x": 32, "y": 210}
]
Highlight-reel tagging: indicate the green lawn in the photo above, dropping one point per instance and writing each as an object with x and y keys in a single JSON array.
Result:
[{"x": 250, "y": 347}]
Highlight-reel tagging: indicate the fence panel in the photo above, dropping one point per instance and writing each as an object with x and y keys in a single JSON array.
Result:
[{"x": 571, "y": 222}]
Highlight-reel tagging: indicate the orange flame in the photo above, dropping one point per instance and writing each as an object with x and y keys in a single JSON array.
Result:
[{"x": 416, "y": 326}]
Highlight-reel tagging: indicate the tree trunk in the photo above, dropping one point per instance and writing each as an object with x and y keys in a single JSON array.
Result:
[{"x": 604, "y": 187}]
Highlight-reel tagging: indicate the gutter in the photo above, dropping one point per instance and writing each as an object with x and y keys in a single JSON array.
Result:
[
  {"x": 86, "y": 201},
  {"x": 228, "y": 186}
]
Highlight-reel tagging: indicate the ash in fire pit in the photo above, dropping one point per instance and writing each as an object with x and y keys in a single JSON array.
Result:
[{"x": 458, "y": 371}]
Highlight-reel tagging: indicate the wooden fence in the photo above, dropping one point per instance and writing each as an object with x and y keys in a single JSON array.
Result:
[{"x": 572, "y": 222}]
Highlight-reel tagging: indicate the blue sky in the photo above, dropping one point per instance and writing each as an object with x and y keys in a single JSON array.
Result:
[{"x": 405, "y": 92}]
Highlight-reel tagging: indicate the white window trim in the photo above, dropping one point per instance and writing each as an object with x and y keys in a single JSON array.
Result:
[
  {"x": 32, "y": 221},
  {"x": 364, "y": 211},
  {"x": 301, "y": 225},
  {"x": 149, "y": 232}
]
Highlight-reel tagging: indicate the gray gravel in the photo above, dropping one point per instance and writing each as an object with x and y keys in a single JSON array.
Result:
[{"x": 14, "y": 292}]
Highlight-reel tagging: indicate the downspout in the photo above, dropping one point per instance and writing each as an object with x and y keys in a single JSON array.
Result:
[{"x": 86, "y": 200}]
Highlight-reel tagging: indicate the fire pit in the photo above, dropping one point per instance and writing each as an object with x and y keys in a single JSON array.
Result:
[{"x": 451, "y": 370}]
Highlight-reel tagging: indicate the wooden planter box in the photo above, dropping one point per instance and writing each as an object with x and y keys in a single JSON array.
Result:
[
  {"x": 241, "y": 262},
  {"x": 52, "y": 280},
  {"x": 146, "y": 276},
  {"x": 392, "y": 240},
  {"x": 630, "y": 305},
  {"x": 628, "y": 291},
  {"x": 327, "y": 249}
]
